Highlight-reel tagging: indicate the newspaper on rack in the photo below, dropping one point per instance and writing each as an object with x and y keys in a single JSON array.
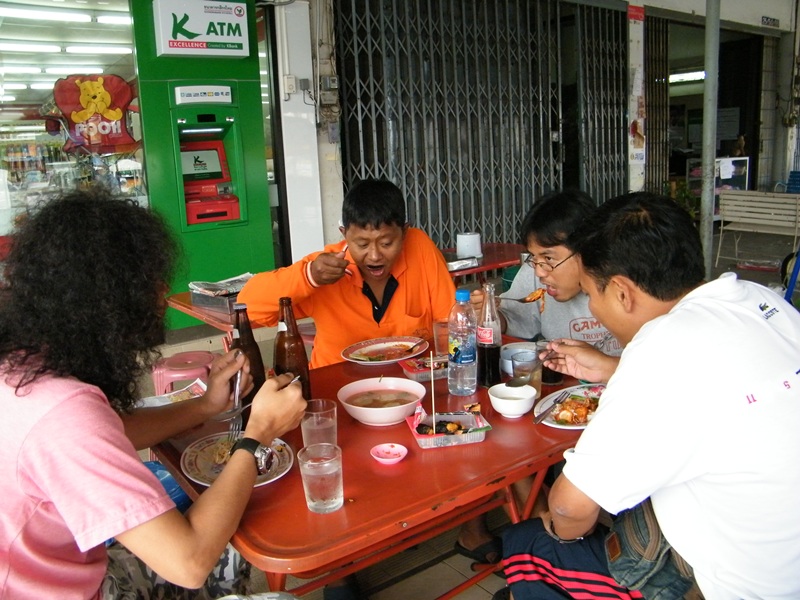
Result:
[{"x": 226, "y": 287}]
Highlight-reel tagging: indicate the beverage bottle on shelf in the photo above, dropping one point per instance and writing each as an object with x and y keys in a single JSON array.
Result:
[
  {"x": 462, "y": 369},
  {"x": 247, "y": 344},
  {"x": 290, "y": 350},
  {"x": 489, "y": 340}
]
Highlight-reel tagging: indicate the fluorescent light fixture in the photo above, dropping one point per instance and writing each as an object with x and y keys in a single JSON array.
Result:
[
  {"x": 19, "y": 70},
  {"x": 202, "y": 130},
  {"x": 7, "y": 128},
  {"x": 44, "y": 15},
  {"x": 7, "y": 98},
  {"x": 114, "y": 19},
  {"x": 98, "y": 50},
  {"x": 25, "y": 47},
  {"x": 73, "y": 70},
  {"x": 13, "y": 86},
  {"x": 43, "y": 86},
  {"x": 691, "y": 76}
]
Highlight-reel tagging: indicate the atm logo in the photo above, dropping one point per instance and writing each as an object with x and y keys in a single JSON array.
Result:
[{"x": 199, "y": 165}]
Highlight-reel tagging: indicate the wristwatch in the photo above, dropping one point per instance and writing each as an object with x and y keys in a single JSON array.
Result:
[{"x": 262, "y": 454}]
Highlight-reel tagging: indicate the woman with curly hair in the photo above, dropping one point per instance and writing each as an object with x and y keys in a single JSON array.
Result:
[{"x": 81, "y": 314}]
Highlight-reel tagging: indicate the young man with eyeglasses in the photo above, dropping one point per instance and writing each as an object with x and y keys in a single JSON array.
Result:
[{"x": 563, "y": 311}]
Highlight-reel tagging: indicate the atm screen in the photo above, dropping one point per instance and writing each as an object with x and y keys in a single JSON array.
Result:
[{"x": 199, "y": 164}]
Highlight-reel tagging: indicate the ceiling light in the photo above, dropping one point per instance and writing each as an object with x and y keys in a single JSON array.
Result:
[
  {"x": 19, "y": 70},
  {"x": 13, "y": 86},
  {"x": 8, "y": 128},
  {"x": 73, "y": 70},
  {"x": 684, "y": 77},
  {"x": 114, "y": 19},
  {"x": 43, "y": 86},
  {"x": 98, "y": 50},
  {"x": 44, "y": 15},
  {"x": 24, "y": 47},
  {"x": 7, "y": 98}
]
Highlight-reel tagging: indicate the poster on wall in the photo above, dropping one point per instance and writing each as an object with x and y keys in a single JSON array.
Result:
[{"x": 192, "y": 28}]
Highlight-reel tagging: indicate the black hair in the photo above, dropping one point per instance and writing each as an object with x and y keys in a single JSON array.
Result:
[
  {"x": 554, "y": 217},
  {"x": 372, "y": 203},
  {"x": 647, "y": 238},
  {"x": 84, "y": 294}
]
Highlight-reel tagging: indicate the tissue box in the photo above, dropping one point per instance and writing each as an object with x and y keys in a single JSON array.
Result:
[{"x": 474, "y": 424}]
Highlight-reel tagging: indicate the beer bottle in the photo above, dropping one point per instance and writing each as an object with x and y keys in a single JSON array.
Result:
[
  {"x": 290, "y": 351},
  {"x": 247, "y": 344}
]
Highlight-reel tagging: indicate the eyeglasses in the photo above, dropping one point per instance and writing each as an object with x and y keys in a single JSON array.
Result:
[{"x": 545, "y": 266}]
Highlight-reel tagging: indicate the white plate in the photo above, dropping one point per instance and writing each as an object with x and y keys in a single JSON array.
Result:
[
  {"x": 583, "y": 390},
  {"x": 197, "y": 461},
  {"x": 360, "y": 352}
]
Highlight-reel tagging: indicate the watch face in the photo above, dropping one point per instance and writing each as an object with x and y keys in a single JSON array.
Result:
[{"x": 264, "y": 457}]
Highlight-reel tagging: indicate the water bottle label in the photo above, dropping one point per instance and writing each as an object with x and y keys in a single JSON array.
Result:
[
  {"x": 485, "y": 335},
  {"x": 462, "y": 350}
]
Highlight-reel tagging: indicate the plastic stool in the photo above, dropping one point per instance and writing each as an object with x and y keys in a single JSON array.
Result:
[{"x": 180, "y": 367}]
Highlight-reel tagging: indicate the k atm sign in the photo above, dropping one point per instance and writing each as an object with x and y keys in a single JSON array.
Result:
[{"x": 200, "y": 28}]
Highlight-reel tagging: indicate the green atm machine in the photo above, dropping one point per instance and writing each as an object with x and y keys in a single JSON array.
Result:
[{"x": 202, "y": 128}]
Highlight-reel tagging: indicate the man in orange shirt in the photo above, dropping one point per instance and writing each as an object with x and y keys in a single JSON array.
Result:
[{"x": 384, "y": 279}]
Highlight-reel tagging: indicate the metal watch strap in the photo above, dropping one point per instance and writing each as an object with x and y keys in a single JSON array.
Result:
[{"x": 255, "y": 448}]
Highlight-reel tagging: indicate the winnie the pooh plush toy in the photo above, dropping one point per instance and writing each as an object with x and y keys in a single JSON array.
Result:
[{"x": 95, "y": 100}]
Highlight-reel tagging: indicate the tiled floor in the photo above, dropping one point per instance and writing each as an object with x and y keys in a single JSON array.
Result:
[{"x": 426, "y": 571}]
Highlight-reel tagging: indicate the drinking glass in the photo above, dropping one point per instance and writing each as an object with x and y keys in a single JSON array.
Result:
[
  {"x": 440, "y": 334},
  {"x": 549, "y": 377},
  {"x": 319, "y": 422},
  {"x": 321, "y": 472},
  {"x": 526, "y": 365}
]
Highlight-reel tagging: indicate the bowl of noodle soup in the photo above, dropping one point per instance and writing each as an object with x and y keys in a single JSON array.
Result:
[{"x": 381, "y": 400}]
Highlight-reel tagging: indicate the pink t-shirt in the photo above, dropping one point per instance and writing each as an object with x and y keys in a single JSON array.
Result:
[{"x": 69, "y": 480}]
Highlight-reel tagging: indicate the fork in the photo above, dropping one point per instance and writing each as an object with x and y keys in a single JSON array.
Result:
[
  {"x": 543, "y": 415},
  {"x": 235, "y": 428}
]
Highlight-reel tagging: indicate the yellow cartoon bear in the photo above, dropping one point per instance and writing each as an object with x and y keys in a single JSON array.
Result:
[{"x": 94, "y": 99}]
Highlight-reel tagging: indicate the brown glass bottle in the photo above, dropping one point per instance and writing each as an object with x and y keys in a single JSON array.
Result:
[
  {"x": 247, "y": 343},
  {"x": 290, "y": 351}
]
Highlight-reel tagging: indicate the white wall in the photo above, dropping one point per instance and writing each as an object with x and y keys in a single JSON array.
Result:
[{"x": 743, "y": 12}]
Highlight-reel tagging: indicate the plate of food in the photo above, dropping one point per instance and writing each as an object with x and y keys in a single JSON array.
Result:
[
  {"x": 204, "y": 459},
  {"x": 577, "y": 408},
  {"x": 384, "y": 351}
]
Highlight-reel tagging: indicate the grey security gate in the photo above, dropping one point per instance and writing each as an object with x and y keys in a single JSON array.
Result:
[
  {"x": 656, "y": 94},
  {"x": 457, "y": 102},
  {"x": 603, "y": 99}
]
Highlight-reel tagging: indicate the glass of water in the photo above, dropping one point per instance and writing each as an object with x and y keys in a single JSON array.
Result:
[
  {"x": 319, "y": 422},
  {"x": 321, "y": 471}
]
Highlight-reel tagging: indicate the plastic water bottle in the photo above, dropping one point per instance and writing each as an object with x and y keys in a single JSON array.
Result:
[{"x": 462, "y": 370}]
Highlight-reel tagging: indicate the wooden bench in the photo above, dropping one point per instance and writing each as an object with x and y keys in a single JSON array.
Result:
[{"x": 759, "y": 212}]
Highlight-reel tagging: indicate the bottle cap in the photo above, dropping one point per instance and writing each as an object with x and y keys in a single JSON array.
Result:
[{"x": 462, "y": 295}]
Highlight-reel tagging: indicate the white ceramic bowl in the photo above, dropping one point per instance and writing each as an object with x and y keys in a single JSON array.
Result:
[
  {"x": 508, "y": 350},
  {"x": 512, "y": 402},
  {"x": 390, "y": 415},
  {"x": 389, "y": 454}
]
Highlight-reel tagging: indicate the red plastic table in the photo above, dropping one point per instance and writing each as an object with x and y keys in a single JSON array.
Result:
[{"x": 387, "y": 508}]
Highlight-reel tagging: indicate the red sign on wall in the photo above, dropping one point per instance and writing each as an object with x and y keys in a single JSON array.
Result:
[
  {"x": 95, "y": 108},
  {"x": 635, "y": 13}
]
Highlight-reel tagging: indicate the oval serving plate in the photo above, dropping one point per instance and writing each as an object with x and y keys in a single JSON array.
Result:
[
  {"x": 197, "y": 461},
  {"x": 383, "y": 351},
  {"x": 547, "y": 401}
]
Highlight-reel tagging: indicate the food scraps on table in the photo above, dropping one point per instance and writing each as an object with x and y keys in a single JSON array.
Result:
[
  {"x": 474, "y": 407},
  {"x": 579, "y": 407}
]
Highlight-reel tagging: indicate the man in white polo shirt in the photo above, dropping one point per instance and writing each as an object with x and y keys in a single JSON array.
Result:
[{"x": 701, "y": 415}]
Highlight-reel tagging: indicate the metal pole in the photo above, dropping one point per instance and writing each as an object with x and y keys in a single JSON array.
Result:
[{"x": 710, "y": 90}]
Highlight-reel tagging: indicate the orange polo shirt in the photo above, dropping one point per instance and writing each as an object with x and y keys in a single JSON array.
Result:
[{"x": 343, "y": 314}]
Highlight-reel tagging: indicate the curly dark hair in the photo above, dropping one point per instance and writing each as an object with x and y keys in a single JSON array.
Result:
[{"x": 84, "y": 293}]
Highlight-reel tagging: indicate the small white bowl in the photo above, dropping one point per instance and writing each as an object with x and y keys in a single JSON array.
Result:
[
  {"x": 389, "y": 415},
  {"x": 509, "y": 350},
  {"x": 389, "y": 454},
  {"x": 512, "y": 402}
]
